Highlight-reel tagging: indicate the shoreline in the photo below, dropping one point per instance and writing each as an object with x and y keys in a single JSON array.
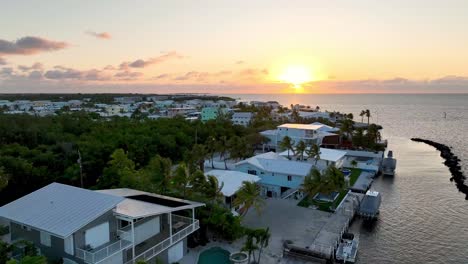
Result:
[{"x": 451, "y": 161}]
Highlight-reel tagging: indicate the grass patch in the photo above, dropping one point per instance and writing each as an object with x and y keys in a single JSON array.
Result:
[
  {"x": 323, "y": 206},
  {"x": 354, "y": 175}
]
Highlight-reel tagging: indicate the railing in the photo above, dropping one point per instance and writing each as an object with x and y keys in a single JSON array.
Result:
[
  {"x": 94, "y": 256},
  {"x": 165, "y": 244}
]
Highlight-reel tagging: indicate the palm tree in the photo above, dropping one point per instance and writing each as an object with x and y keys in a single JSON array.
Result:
[
  {"x": 368, "y": 115},
  {"x": 249, "y": 196},
  {"x": 263, "y": 239},
  {"x": 222, "y": 147},
  {"x": 354, "y": 163},
  {"x": 373, "y": 133},
  {"x": 181, "y": 179},
  {"x": 249, "y": 245},
  {"x": 313, "y": 182},
  {"x": 287, "y": 143},
  {"x": 335, "y": 178},
  {"x": 301, "y": 148},
  {"x": 211, "y": 148},
  {"x": 314, "y": 152},
  {"x": 197, "y": 157},
  {"x": 212, "y": 188},
  {"x": 362, "y": 114},
  {"x": 347, "y": 128}
]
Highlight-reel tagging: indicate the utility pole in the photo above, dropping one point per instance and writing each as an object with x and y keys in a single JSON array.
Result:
[{"x": 81, "y": 168}]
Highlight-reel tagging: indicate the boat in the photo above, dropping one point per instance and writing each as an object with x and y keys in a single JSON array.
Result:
[
  {"x": 347, "y": 249},
  {"x": 370, "y": 205},
  {"x": 389, "y": 164}
]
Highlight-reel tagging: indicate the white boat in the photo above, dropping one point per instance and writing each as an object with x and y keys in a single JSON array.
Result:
[
  {"x": 389, "y": 164},
  {"x": 347, "y": 249}
]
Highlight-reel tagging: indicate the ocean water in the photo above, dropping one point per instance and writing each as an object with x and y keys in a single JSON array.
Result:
[{"x": 423, "y": 219}]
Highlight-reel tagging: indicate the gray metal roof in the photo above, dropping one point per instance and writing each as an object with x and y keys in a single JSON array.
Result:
[{"x": 59, "y": 209}]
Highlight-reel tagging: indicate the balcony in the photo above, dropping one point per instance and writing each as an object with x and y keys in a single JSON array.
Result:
[
  {"x": 98, "y": 254},
  {"x": 182, "y": 227}
]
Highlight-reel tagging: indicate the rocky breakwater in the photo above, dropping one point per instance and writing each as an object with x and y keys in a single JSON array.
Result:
[{"x": 452, "y": 162}]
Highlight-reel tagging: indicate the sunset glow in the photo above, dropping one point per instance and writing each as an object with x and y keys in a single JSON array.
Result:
[
  {"x": 320, "y": 46},
  {"x": 296, "y": 75}
]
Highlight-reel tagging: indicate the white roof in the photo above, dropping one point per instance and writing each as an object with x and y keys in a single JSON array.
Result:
[
  {"x": 133, "y": 208},
  {"x": 59, "y": 209},
  {"x": 325, "y": 154},
  {"x": 242, "y": 114},
  {"x": 271, "y": 132},
  {"x": 275, "y": 163},
  {"x": 231, "y": 180},
  {"x": 372, "y": 193},
  {"x": 314, "y": 126},
  {"x": 331, "y": 154}
]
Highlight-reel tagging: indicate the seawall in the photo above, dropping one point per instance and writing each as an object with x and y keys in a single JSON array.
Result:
[{"x": 451, "y": 161}]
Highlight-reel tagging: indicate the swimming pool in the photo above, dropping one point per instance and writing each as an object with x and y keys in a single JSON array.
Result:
[{"x": 214, "y": 255}]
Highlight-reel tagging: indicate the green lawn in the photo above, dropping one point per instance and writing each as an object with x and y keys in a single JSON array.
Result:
[
  {"x": 326, "y": 206},
  {"x": 354, "y": 175}
]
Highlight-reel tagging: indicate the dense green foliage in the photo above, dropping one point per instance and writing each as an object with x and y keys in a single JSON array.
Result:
[{"x": 35, "y": 151}]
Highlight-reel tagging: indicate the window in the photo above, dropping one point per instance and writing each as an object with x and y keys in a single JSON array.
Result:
[
  {"x": 68, "y": 245},
  {"x": 253, "y": 172},
  {"x": 45, "y": 239},
  {"x": 289, "y": 178}
]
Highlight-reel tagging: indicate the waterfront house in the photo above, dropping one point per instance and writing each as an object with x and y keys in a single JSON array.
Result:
[
  {"x": 230, "y": 182},
  {"x": 242, "y": 118},
  {"x": 278, "y": 175},
  {"x": 76, "y": 225},
  {"x": 328, "y": 157},
  {"x": 316, "y": 133}
]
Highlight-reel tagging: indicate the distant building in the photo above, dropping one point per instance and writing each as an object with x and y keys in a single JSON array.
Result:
[
  {"x": 242, "y": 118},
  {"x": 180, "y": 111},
  {"x": 127, "y": 99},
  {"x": 73, "y": 225},
  {"x": 211, "y": 113}
]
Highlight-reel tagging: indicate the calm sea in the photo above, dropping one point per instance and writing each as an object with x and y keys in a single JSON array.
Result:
[{"x": 424, "y": 219}]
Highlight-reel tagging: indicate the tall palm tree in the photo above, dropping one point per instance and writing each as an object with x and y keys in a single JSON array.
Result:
[
  {"x": 336, "y": 180},
  {"x": 181, "y": 179},
  {"x": 301, "y": 148},
  {"x": 249, "y": 245},
  {"x": 287, "y": 143},
  {"x": 362, "y": 114},
  {"x": 314, "y": 152},
  {"x": 211, "y": 148},
  {"x": 222, "y": 147},
  {"x": 347, "y": 128},
  {"x": 249, "y": 196},
  {"x": 373, "y": 133},
  {"x": 263, "y": 240},
  {"x": 368, "y": 115}
]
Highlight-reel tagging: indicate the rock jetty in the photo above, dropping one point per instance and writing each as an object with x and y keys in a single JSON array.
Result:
[{"x": 452, "y": 162}]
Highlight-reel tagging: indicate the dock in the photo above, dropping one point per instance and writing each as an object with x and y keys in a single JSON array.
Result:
[{"x": 364, "y": 182}]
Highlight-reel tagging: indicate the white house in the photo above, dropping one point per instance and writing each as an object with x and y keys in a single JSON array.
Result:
[
  {"x": 231, "y": 182},
  {"x": 316, "y": 133},
  {"x": 327, "y": 157},
  {"x": 242, "y": 118},
  {"x": 278, "y": 175}
]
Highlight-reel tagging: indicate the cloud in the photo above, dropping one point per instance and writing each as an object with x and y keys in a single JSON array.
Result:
[
  {"x": 72, "y": 74},
  {"x": 30, "y": 45},
  {"x": 102, "y": 35},
  {"x": 161, "y": 76},
  {"x": 128, "y": 75},
  {"x": 240, "y": 62},
  {"x": 36, "y": 75},
  {"x": 451, "y": 79},
  {"x": 140, "y": 63},
  {"x": 6, "y": 71},
  {"x": 3, "y": 61},
  {"x": 251, "y": 72},
  {"x": 35, "y": 66}
]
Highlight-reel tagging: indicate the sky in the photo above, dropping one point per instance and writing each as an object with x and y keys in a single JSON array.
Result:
[{"x": 217, "y": 46}]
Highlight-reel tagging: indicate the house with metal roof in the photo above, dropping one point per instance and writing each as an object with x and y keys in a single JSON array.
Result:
[
  {"x": 76, "y": 225},
  {"x": 230, "y": 183},
  {"x": 278, "y": 175}
]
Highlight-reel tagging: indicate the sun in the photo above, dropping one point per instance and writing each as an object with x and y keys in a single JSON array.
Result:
[{"x": 296, "y": 75}]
